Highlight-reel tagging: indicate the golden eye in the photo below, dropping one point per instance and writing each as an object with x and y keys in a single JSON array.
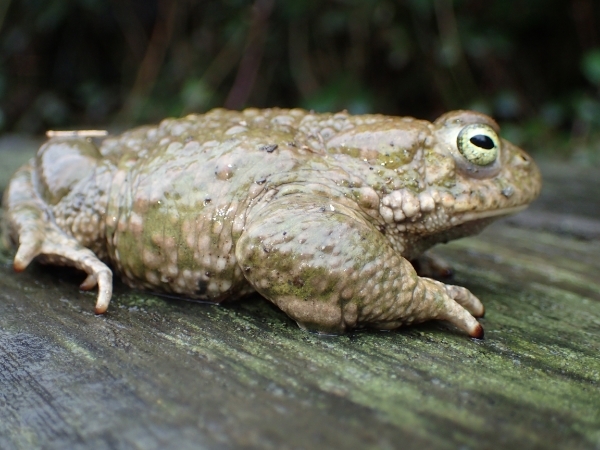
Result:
[{"x": 478, "y": 143}]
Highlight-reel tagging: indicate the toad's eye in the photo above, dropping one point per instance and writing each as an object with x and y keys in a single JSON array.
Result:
[{"x": 478, "y": 143}]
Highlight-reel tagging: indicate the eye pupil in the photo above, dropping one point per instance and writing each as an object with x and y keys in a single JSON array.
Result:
[{"x": 482, "y": 141}]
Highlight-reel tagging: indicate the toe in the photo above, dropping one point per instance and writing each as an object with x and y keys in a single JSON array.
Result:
[
  {"x": 460, "y": 317},
  {"x": 25, "y": 254},
  {"x": 477, "y": 333},
  {"x": 104, "y": 291},
  {"x": 467, "y": 300},
  {"x": 89, "y": 282}
]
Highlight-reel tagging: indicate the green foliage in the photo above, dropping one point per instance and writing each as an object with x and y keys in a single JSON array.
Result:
[
  {"x": 590, "y": 66},
  {"x": 67, "y": 63}
]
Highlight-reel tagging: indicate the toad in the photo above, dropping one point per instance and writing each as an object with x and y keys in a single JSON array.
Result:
[{"x": 322, "y": 214}]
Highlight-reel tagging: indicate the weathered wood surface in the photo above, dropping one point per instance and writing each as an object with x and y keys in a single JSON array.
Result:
[{"x": 158, "y": 373}]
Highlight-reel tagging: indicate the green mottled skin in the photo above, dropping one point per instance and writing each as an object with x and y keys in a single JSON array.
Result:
[{"x": 319, "y": 213}]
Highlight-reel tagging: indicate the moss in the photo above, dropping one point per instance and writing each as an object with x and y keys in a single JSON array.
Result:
[
  {"x": 392, "y": 158},
  {"x": 158, "y": 221},
  {"x": 304, "y": 287}
]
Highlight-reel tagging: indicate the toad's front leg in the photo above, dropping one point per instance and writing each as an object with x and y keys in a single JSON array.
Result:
[
  {"x": 29, "y": 222},
  {"x": 331, "y": 271}
]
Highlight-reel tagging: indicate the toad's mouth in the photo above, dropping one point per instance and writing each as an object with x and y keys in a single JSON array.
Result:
[{"x": 472, "y": 216}]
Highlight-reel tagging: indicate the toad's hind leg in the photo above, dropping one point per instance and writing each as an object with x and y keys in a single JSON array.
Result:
[
  {"x": 330, "y": 270},
  {"x": 29, "y": 224}
]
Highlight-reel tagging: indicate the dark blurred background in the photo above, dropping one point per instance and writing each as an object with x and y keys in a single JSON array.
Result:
[{"x": 534, "y": 65}]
